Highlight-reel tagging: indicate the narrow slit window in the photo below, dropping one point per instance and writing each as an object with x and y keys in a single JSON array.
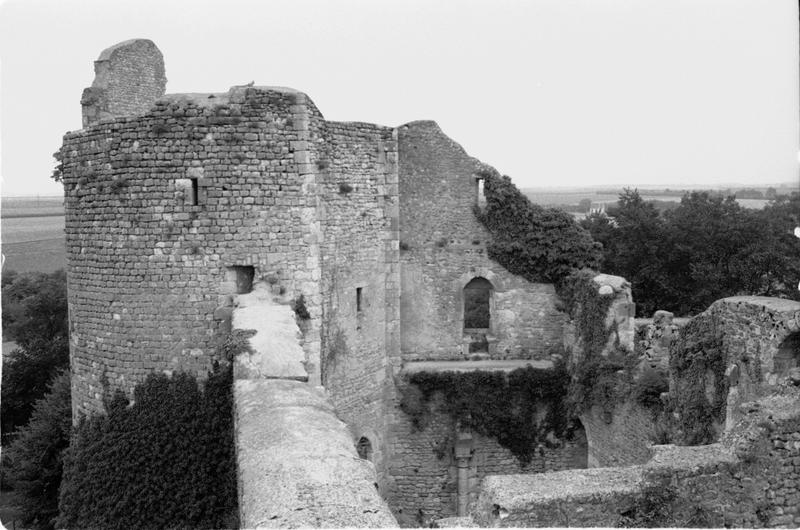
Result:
[
  {"x": 194, "y": 193},
  {"x": 358, "y": 299},
  {"x": 481, "y": 198}
]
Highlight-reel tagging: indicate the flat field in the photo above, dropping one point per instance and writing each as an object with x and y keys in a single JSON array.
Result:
[
  {"x": 33, "y": 243},
  {"x": 31, "y": 207},
  {"x": 557, "y": 197}
]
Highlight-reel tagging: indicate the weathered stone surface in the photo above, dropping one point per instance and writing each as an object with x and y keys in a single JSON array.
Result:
[
  {"x": 588, "y": 497},
  {"x": 471, "y": 366},
  {"x": 275, "y": 347},
  {"x": 297, "y": 464},
  {"x": 129, "y": 78}
]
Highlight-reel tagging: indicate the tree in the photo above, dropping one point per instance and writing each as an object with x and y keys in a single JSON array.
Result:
[
  {"x": 32, "y": 464},
  {"x": 707, "y": 248},
  {"x": 631, "y": 236},
  {"x": 35, "y": 316},
  {"x": 585, "y": 205}
]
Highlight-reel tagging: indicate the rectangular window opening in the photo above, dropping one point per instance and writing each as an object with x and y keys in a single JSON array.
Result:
[
  {"x": 243, "y": 276},
  {"x": 358, "y": 299},
  {"x": 481, "y": 198}
]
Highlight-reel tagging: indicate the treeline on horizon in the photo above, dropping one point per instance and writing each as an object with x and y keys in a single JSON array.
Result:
[{"x": 707, "y": 247}]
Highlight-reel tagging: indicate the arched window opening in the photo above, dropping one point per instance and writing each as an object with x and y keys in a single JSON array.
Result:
[
  {"x": 788, "y": 355},
  {"x": 364, "y": 448},
  {"x": 477, "y": 294}
]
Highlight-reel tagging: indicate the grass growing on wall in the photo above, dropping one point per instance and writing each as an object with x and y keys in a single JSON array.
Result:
[{"x": 518, "y": 409}]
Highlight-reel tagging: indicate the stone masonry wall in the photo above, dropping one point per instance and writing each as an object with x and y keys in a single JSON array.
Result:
[
  {"x": 148, "y": 276},
  {"x": 753, "y": 330},
  {"x": 424, "y": 472},
  {"x": 751, "y": 479},
  {"x": 129, "y": 78},
  {"x": 443, "y": 247},
  {"x": 360, "y": 280}
]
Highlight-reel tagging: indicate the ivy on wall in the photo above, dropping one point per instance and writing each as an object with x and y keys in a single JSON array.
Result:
[
  {"x": 695, "y": 354},
  {"x": 519, "y": 409},
  {"x": 539, "y": 244},
  {"x": 597, "y": 379},
  {"x": 166, "y": 461}
]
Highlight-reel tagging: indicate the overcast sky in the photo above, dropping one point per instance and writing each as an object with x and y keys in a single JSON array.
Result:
[{"x": 550, "y": 92}]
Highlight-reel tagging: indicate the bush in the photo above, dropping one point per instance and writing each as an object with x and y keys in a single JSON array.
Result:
[
  {"x": 32, "y": 465},
  {"x": 300, "y": 308},
  {"x": 168, "y": 460}
]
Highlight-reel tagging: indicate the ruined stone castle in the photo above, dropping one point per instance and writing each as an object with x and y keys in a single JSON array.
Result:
[{"x": 349, "y": 250}]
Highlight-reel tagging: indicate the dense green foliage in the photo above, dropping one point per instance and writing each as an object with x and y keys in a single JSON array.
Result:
[
  {"x": 707, "y": 248},
  {"x": 696, "y": 353},
  {"x": 35, "y": 317},
  {"x": 497, "y": 405},
  {"x": 166, "y": 461},
  {"x": 539, "y": 244},
  {"x": 32, "y": 464}
]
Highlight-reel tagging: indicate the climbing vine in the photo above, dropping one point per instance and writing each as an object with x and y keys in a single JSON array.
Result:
[
  {"x": 539, "y": 244},
  {"x": 696, "y": 353},
  {"x": 522, "y": 410},
  {"x": 597, "y": 379}
]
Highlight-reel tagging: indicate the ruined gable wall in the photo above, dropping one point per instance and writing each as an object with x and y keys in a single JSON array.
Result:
[
  {"x": 443, "y": 246},
  {"x": 147, "y": 278},
  {"x": 129, "y": 77},
  {"x": 357, "y": 189}
]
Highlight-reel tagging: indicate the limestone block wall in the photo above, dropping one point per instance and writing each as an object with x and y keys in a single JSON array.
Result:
[
  {"x": 360, "y": 280},
  {"x": 160, "y": 207},
  {"x": 424, "y": 470},
  {"x": 751, "y": 479},
  {"x": 129, "y": 78},
  {"x": 443, "y": 247}
]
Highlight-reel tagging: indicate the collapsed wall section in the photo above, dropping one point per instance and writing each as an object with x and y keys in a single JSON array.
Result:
[
  {"x": 171, "y": 213},
  {"x": 129, "y": 78},
  {"x": 443, "y": 248},
  {"x": 750, "y": 344},
  {"x": 748, "y": 480}
]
